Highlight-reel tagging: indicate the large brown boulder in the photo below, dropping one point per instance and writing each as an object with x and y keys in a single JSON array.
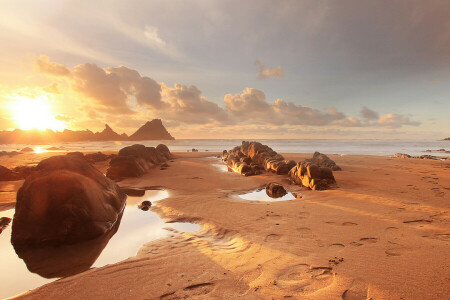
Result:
[
  {"x": 136, "y": 160},
  {"x": 275, "y": 190},
  {"x": 322, "y": 160},
  {"x": 65, "y": 200}
]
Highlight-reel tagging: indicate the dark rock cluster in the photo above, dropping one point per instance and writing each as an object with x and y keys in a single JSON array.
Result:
[
  {"x": 252, "y": 158},
  {"x": 136, "y": 160}
]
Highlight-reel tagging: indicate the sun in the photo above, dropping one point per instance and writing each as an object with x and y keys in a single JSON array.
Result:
[{"x": 34, "y": 113}]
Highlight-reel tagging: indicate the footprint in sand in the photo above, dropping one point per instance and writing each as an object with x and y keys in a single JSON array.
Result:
[
  {"x": 357, "y": 291},
  {"x": 395, "y": 249},
  {"x": 342, "y": 224},
  {"x": 305, "y": 232},
  {"x": 272, "y": 237},
  {"x": 336, "y": 247},
  {"x": 303, "y": 279},
  {"x": 349, "y": 224},
  {"x": 364, "y": 241},
  {"x": 194, "y": 290}
]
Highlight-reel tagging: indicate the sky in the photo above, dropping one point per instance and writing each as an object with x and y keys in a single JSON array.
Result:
[{"x": 308, "y": 69}]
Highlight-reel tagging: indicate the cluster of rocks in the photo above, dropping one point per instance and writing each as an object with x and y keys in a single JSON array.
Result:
[
  {"x": 251, "y": 158},
  {"x": 312, "y": 176},
  {"x": 136, "y": 160},
  {"x": 65, "y": 200},
  {"x": 145, "y": 205},
  {"x": 426, "y": 156}
]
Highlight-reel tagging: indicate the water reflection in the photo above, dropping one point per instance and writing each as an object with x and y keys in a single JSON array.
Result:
[
  {"x": 261, "y": 195},
  {"x": 135, "y": 228}
]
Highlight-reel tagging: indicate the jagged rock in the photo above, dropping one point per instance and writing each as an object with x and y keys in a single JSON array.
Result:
[
  {"x": 136, "y": 160},
  {"x": 8, "y": 175},
  {"x": 275, "y": 190},
  {"x": 402, "y": 155},
  {"x": 258, "y": 157},
  {"x": 152, "y": 130},
  {"x": 312, "y": 176},
  {"x": 145, "y": 205},
  {"x": 194, "y": 150},
  {"x": 65, "y": 200},
  {"x": 322, "y": 160}
]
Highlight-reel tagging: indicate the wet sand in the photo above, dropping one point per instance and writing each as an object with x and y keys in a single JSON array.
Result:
[{"x": 383, "y": 234}]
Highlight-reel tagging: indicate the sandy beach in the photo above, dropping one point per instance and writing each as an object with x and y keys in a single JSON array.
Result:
[{"x": 382, "y": 234}]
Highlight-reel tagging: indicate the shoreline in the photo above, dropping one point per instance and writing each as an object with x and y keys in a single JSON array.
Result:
[{"x": 383, "y": 221}]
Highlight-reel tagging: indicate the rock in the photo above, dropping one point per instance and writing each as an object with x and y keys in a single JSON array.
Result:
[
  {"x": 164, "y": 165},
  {"x": 23, "y": 171},
  {"x": 161, "y": 148},
  {"x": 4, "y": 222},
  {"x": 152, "y": 130},
  {"x": 402, "y": 155},
  {"x": 275, "y": 190},
  {"x": 8, "y": 175},
  {"x": 76, "y": 154},
  {"x": 321, "y": 160},
  {"x": 258, "y": 156},
  {"x": 145, "y": 205},
  {"x": 312, "y": 176},
  {"x": 66, "y": 200},
  {"x": 96, "y": 157},
  {"x": 194, "y": 150},
  {"x": 136, "y": 160}
]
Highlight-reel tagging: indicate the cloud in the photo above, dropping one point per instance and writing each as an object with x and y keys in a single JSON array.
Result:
[
  {"x": 251, "y": 106},
  {"x": 44, "y": 65},
  {"x": 264, "y": 73},
  {"x": 121, "y": 90},
  {"x": 187, "y": 104},
  {"x": 146, "y": 90},
  {"x": 52, "y": 88},
  {"x": 396, "y": 121},
  {"x": 105, "y": 88},
  {"x": 368, "y": 114}
]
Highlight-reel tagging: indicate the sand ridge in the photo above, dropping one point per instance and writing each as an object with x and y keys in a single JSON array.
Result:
[{"x": 383, "y": 234}]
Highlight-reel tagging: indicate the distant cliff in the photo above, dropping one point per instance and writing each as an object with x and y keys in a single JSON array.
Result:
[{"x": 152, "y": 130}]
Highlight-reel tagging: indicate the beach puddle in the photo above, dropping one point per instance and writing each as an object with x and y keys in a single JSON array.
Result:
[
  {"x": 135, "y": 228},
  {"x": 261, "y": 195}
]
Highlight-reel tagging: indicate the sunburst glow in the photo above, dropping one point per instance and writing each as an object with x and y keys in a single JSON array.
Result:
[{"x": 34, "y": 113}]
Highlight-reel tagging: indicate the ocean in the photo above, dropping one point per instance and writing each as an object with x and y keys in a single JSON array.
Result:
[{"x": 343, "y": 147}]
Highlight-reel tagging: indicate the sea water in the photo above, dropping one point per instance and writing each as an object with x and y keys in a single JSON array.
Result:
[{"x": 343, "y": 147}]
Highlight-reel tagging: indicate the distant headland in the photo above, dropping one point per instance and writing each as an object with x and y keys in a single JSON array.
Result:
[{"x": 152, "y": 130}]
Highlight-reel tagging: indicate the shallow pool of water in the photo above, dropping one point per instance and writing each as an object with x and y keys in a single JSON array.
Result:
[
  {"x": 136, "y": 228},
  {"x": 261, "y": 195}
]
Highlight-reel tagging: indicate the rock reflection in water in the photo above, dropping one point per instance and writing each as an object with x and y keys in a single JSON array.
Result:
[
  {"x": 65, "y": 260},
  {"x": 261, "y": 195}
]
